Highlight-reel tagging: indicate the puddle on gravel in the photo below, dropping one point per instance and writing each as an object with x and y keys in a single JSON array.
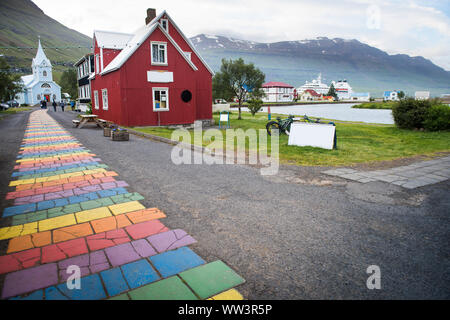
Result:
[{"x": 384, "y": 193}]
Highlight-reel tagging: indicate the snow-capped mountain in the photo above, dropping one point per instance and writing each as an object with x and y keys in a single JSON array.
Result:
[{"x": 367, "y": 67}]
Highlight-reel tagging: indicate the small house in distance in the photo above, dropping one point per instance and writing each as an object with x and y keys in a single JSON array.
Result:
[
  {"x": 422, "y": 95},
  {"x": 310, "y": 95},
  {"x": 360, "y": 96},
  {"x": 390, "y": 96},
  {"x": 152, "y": 77},
  {"x": 278, "y": 92}
]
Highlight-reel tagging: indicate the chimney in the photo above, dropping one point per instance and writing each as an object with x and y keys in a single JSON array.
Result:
[{"x": 151, "y": 14}]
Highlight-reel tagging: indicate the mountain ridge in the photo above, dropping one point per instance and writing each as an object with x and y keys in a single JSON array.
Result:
[
  {"x": 337, "y": 57},
  {"x": 22, "y": 22}
]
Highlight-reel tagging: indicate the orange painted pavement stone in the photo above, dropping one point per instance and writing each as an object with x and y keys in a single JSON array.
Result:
[
  {"x": 41, "y": 239},
  {"x": 110, "y": 223},
  {"x": 145, "y": 215},
  {"x": 20, "y": 243},
  {"x": 72, "y": 232}
]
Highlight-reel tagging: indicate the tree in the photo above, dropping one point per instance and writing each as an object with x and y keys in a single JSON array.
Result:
[
  {"x": 401, "y": 94},
  {"x": 69, "y": 83},
  {"x": 238, "y": 79},
  {"x": 10, "y": 84},
  {"x": 332, "y": 92}
]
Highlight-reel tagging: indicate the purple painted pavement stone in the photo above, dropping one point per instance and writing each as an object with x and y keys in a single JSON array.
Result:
[
  {"x": 27, "y": 280},
  {"x": 84, "y": 271},
  {"x": 108, "y": 185},
  {"x": 122, "y": 184},
  {"x": 98, "y": 261},
  {"x": 65, "y": 193},
  {"x": 88, "y": 263},
  {"x": 92, "y": 188},
  {"x": 121, "y": 254},
  {"x": 143, "y": 248},
  {"x": 171, "y": 240},
  {"x": 52, "y": 196}
]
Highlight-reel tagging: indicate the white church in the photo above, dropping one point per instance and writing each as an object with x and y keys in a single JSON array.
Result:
[{"x": 39, "y": 85}]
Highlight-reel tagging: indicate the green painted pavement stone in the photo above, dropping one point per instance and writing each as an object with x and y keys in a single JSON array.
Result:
[
  {"x": 105, "y": 202},
  {"x": 168, "y": 289},
  {"x": 210, "y": 279},
  {"x": 136, "y": 197},
  {"x": 71, "y": 208},
  {"x": 91, "y": 204},
  {"x": 56, "y": 214}
]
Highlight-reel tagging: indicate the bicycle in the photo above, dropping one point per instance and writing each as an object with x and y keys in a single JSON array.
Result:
[{"x": 284, "y": 126}]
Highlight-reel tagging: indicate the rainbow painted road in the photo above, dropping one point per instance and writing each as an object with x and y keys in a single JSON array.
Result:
[{"x": 70, "y": 212}]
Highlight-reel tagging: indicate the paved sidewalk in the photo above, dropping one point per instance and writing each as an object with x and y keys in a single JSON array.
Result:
[
  {"x": 410, "y": 177},
  {"x": 67, "y": 209}
]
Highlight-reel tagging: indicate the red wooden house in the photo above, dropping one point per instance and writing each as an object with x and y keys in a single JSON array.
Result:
[{"x": 153, "y": 77}]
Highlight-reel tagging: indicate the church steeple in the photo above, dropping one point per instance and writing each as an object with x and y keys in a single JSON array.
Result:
[
  {"x": 41, "y": 57},
  {"x": 42, "y": 67}
]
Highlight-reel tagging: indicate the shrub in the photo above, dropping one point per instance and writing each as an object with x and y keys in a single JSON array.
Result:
[
  {"x": 410, "y": 113},
  {"x": 437, "y": 118},
  {"x": 89, "y": 108},
  {"x": 254, "y": 106}
]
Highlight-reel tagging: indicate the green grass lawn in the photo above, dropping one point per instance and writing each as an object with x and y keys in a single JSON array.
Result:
[
  {"x": 14, "y": 110},
  {"x": 375, "y": 105},
  {"x": 357, "y": 142}
]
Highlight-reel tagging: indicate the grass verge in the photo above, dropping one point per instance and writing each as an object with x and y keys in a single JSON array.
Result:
[{"x": 357, "y": 142}]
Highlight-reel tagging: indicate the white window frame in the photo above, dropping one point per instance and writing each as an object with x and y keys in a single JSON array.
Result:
[
  {"x": 167, "y": 24},
  {"x": 154, "y": 101},
  {"x": 97, "y": 64},
  {"x": 105, "y": 101},
  {"x": 156, "y": 63},
  {"x": 96, "y": 105},
  {"x": 188, "y": 55}
]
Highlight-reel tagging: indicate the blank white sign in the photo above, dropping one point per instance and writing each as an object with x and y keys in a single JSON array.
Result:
[
  {"x": 160, "y": 76},
  {"x": 224, "y": 117},
  {"x": 312, "y": 135}
]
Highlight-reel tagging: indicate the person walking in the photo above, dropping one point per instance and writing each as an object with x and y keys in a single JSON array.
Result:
[
  {"x": 72, "y": 104},
  {"x": 44, "y": 104},
  {"x": 62, "y": 105},
  {"x": 54, "y": 105}
]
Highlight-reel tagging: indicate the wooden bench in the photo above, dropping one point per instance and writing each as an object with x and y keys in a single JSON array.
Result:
[{"x": 76, "y": 123}]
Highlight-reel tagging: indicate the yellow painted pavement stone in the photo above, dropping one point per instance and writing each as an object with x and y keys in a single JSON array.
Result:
[
  {"x": 19, "y": 182},
  {"x": 17, "y": 231},
  {"x": 126, "y": 207},
  {"x": 231, "y": 294},
  {"x": 93, "y": 214},
  {"x": 57, "y": 222}
]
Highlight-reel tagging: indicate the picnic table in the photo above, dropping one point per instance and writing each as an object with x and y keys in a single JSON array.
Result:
[{"x": 86, "y": 118}]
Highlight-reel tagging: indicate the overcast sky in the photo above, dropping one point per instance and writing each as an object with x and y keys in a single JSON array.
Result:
[{"x": 395, "y": 26}]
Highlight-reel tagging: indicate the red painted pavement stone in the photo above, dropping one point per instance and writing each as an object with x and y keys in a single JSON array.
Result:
[
  {"x": 107, "y": 239},
  {"x": 8, "y": 264},
  {"x": 28, "y": 258},
  {"x": 52, "y": 254},
  {"x": 73, "y": 247},
  {"x": 145, "y": 229}
]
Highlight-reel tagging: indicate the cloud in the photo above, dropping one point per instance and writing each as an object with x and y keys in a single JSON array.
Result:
[{"x": 410, "y": 27}]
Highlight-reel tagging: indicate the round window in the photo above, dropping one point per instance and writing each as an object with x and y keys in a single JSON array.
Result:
[{"x": 186, "y": 96}]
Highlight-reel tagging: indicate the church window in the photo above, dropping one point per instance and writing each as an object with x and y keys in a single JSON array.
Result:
[
  {"x": 45, "y": 85},
  {"x": 45, "y": 73}
]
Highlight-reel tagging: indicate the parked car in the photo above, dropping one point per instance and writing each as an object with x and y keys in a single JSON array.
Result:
[
  {"x": 4, "y": 106},
  {"x": 13, "y": 103}
]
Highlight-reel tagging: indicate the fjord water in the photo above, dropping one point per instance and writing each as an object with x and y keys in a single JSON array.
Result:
[{"x": 342, "y": 112}]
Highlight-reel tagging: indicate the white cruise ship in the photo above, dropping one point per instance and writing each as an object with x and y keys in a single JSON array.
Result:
[
  {"x": 343, "y": 89},
  {"x": 316, "y": 85}
]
